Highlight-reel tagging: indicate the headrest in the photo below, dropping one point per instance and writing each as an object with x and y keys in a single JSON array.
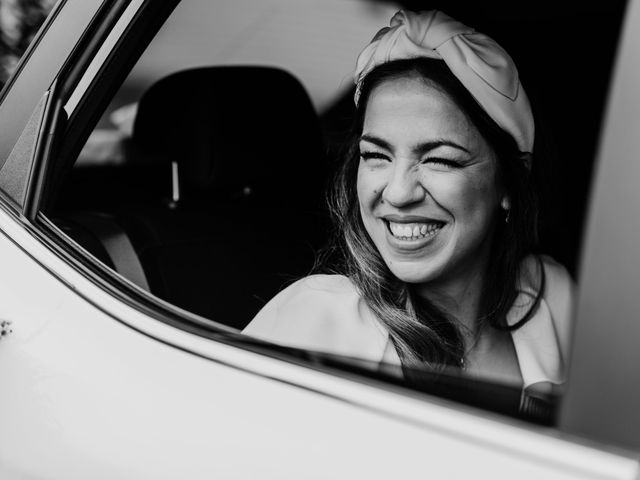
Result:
[{"x": 234, "y": 132}]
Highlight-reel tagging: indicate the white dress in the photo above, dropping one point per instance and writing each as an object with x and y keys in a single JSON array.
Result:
[{"x": 325, "y": 313}]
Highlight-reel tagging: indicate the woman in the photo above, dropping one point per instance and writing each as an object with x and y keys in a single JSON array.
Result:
[{"x": 436, "y": 218}]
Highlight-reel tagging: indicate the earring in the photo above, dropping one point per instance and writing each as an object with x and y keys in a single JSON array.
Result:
[{"x": 506, "y": 206}]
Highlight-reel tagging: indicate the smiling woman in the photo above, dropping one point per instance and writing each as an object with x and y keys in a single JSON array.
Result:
[
  {"x": 436, "y": 214},
  {"x": 427, "y": 184}
]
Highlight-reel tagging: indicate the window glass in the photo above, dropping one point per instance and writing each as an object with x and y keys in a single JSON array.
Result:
[{"x": 212, "y": 162}]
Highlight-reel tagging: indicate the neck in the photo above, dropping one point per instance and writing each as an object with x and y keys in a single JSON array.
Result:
[{"x": 460, "y": 297}]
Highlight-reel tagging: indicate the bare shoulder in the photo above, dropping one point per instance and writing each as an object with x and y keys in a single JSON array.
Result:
[
  {"x": 320, "y": 312},
  {"x": 320, "y": 290},
  {"x": 323, "y": 285}
]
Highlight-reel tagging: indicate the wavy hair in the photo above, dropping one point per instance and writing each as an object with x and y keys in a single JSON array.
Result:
[{"x": 421, "y": 332}]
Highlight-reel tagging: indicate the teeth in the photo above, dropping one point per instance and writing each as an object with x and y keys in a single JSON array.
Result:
[{"x": 413, "y": 231}]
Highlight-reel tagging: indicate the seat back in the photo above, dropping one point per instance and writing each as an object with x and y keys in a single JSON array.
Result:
[
  {"x": 247, "y": 148},
  {"x": 234, "y": 132}
]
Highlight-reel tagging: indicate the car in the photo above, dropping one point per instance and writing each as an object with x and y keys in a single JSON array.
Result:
[{"x": 149, "y": 155}]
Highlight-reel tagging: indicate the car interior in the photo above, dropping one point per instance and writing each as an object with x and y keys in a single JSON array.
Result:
[
  {"x": 203, "y": 180},
  {"x": 201, "y": 203}
]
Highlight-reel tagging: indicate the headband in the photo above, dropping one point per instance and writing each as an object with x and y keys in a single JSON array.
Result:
[{"x": 477, "y": 61}]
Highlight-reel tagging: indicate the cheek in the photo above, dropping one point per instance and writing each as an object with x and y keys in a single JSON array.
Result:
[
  {"x": 369, "y": 185},
  {"x": 463, "y": 196}
]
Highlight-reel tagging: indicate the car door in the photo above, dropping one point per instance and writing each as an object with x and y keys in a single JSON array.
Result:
[{"x": 100, "y": 379}]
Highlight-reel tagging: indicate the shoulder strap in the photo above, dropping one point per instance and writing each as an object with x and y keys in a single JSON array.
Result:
[{"x": 118, "y": 246}]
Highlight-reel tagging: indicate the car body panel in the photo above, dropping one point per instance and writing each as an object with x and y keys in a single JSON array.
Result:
[{"x": 94, "y": 387}]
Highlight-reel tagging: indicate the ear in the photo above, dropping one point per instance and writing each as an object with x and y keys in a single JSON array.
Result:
[{"x": 505, "y": 203}]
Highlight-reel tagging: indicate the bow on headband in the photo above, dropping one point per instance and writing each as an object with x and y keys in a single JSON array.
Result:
[{"x": 481, "y": 65}]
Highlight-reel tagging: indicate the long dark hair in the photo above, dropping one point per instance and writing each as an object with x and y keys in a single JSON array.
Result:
[{"x": 421, "y": 332}]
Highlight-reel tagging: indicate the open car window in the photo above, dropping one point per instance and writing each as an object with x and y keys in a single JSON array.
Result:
[{"x": 194, "y": 176}]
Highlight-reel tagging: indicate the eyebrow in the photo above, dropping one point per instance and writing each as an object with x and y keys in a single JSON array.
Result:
[{"x": 419, "y": 149}]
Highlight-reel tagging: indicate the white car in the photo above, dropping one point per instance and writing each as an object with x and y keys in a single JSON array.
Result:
[{"x": 149, "y": 154}]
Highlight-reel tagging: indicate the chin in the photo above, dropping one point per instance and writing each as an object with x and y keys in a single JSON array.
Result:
[{"x": 413, "y": 273}]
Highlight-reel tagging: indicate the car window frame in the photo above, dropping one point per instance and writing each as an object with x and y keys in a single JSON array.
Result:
[
  {"x": 32, "y": 95},
  {"x": 60, "y": 41}
]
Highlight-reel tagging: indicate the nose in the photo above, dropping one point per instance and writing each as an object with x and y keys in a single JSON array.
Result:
[{"x": 403, "y": 187}]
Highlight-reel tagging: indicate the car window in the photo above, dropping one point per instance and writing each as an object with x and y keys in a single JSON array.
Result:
[{"x": 201, "y": 179}]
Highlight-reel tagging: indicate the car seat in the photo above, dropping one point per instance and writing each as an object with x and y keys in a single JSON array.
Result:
[{"x": 243, "y": 160}]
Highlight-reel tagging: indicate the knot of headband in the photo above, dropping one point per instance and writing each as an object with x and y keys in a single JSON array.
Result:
[{"x": 478, "y": 62}]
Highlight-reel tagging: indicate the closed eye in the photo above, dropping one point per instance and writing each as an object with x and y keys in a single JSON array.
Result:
[
  {"x": 373, "y": 156},
  {"x": 442, "y": 162}
]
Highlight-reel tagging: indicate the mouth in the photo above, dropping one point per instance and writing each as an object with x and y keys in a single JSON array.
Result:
[{"x": 415, "y": 230}]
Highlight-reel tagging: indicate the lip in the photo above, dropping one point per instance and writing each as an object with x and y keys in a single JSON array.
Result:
[{"x": 409, "y": 219}]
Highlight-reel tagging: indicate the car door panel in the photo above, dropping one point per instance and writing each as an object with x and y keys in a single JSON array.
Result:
[{"x": 94, "y": 388}]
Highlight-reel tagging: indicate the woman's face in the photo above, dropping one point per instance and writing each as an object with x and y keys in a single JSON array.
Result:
[{"x": 427, "y": 184}]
